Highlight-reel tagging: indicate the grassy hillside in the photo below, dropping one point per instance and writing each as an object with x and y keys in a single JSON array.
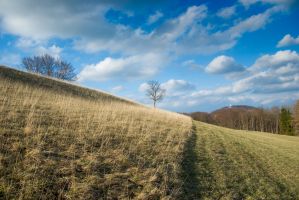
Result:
[
  {"x": 231, "y": 164},
  {"x": 62, "y": 141}
]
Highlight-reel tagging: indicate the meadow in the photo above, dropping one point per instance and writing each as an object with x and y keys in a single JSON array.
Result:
[
  {"x": 237, "y": 164},
  {"x": 62, "y": 141}
]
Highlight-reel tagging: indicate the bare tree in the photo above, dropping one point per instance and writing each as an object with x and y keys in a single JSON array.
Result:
[
  {"x": 155, "y": 92},
  {"x": 50, "y": 66}
]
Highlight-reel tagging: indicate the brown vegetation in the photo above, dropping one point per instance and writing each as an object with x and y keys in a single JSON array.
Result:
[
  {"x": 243, "y": 118},
  {"x": 61, "y": 141}
]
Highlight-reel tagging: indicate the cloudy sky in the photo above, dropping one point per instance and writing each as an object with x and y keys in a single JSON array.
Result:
[{"x": 206, "y": 54}]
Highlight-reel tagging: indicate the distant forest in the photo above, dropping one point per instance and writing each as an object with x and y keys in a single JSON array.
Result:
[{"x": 276, "y": 120}]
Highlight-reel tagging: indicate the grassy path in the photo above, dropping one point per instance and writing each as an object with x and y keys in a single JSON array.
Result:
[{"x": 230, "y": 164}]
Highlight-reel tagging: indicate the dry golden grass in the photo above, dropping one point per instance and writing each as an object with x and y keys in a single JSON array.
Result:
[
  {"x": 233, "y": 164},
  {"x": 60, "y": 141}
]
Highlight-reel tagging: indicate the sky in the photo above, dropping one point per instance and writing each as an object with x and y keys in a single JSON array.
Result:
[{"x": 205, "y": 54}]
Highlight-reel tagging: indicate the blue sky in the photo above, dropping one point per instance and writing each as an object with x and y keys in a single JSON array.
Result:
[{"x": 206, "y": 54}]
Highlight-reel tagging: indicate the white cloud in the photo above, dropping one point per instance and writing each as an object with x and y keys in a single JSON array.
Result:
[
  {"x": 177, "y": 87},
  {"x": 143, "y": 87},
  {"x": 227, "y": 12},
  {"x": 176, "y": 91},
  {"x": 132, "y": 67},
  {"x": 252, "y": 23},
  {"x": 201, "y": 40},
  {"x": 288, "y": 40},
  {"x": 42, "y": 20},
  {"x": 275, "y": 61},
  {"x": 223, "y": 64},
  {"x": 38, "y": 47},
  {"x": 90, "y": 31},
  {"x": 27, "y": 43},
  {"x": 181, "y": 35},
  {"x": 53, "y": 50},
  {"x": 271, "y": 80},
  {"x": 155, "y": 17},
  {"x": 173, "y": 87},
  {"x": 174, "y": 28}
]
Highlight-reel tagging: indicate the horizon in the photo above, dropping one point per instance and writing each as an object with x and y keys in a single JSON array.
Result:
[{"x": 206, "y": 55}]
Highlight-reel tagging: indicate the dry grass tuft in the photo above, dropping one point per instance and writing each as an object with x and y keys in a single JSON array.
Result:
[{"x": 67, "y": 142}]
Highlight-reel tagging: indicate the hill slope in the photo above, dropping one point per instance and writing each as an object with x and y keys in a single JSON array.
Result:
[
  {"x": 232, "y": 164},
  {"x": 63, "y": 141}
]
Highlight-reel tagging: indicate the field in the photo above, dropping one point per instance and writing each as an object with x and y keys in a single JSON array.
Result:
[
  {"x": 62, "y": 141},
  {"x": 232, "y": 164}
]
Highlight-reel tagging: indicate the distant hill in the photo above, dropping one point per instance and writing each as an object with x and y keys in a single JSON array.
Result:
[
  {"x": 235, "y": 107},
  {"x": 242, "y": 117}
]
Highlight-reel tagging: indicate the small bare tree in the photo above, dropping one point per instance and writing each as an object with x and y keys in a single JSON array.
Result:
[
  {"x": 155, "y": 92},
  {"x": 50, "y": 66}
]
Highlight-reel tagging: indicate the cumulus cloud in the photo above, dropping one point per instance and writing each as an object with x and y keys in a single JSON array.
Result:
[
  {"x": 89, "y": 30},
  {"x": 155, "y": 17},
  {"x": 53, "y": 50},
  {"x": 227, "y": 12},
  {"x": 143, "y": 87},
  {"x": 132, "y": 67},
  {"x": 276, "y": 61},
  {"x": 288, "y": 40},
  {"x": 172, "y": 86},
  {"x": 269, "y": 74},
  {"x": 45, "y": 19},
  {"x": 177, "y": 87},
  {"x": 223, "y": 64},
  {"x": 38, "y": 47},
  {"x": 271, "y": 79}
]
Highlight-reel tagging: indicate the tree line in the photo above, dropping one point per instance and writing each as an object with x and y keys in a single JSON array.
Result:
[{"x": 276, "y": 120}]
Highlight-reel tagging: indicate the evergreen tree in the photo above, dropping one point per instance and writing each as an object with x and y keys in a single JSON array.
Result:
[{"x": 286, "y": 122}]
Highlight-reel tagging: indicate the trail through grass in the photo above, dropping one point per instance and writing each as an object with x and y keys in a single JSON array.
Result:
[{"x": 231, "y": 164}]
